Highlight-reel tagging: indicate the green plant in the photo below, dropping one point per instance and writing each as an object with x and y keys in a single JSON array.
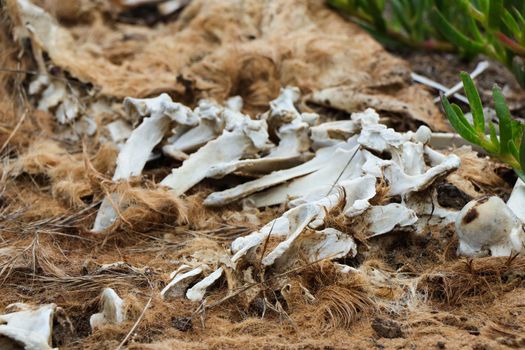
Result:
[
  {"x": 495, "y": 28},
  {"x": 509, "y": 147}
]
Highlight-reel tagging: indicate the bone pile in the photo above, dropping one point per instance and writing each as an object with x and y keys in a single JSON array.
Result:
[{"x": 316, "y": 169}]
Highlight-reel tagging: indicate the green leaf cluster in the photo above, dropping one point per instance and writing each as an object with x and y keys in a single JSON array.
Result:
[
  {"x": 509, "y": 146},
  {"x": 495, "y": 28}
]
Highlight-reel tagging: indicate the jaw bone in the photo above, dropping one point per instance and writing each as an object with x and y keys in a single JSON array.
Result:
[{"x": 29, "y": 327}]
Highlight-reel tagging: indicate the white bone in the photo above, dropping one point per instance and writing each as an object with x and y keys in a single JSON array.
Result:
[
  {"x": 112, "y": 310},
  {"x": 310, "y": 215},
  {"x": 383, "y": 219},
  {"x": 158, "y": 113},
  {"x": 180, "y": 281},
  {"x": 283, "y": 105},
  {"x": 428, "y": 210},
  {"x": 516, "y": 202},
  {"x": 211, "y": 125},
  {"x": 196, "y": 293},
  {"x": 343, "y": 165},
  {"x": 403, "y": 183},
  {"x": 290, "y": 225},
  {"x": 331, "y": 133},
  {"x": 235, "y": 103},
  {"x": 275, "y": 178},
  {"x": 293, "y": 131},
  {"x": 29, "y": 327},
  {"x": 119, "y": 131},
  {"x": 248, "y": 139},
  {"x": 168, "y": 7},
  {"x": 487, "y": 226}
]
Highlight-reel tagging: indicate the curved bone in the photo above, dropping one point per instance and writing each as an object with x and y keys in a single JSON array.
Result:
[
  {"x": 196, "y": 293},
  {"x": 29, "y": 327},
  {"x": 403, "y": 183},
  {"x": 314, "y": 246},
  {"x": 343, "y": 165},
  {"x": 487, "y": 226},
  {"x": 383, "y": 219},
  {"x": 331, "y": 133},
  {"x": 211, "y": 125},
  {"x": 294, "y": 141},
  {"x": 112, "y": 310},
  {"x": 180, "y": 280},
  {"x": 275, "y": 178}
]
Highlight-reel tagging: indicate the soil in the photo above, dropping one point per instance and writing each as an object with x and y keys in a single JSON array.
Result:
[
  {"x": 445, "y": 67},
  {"x": 48, "y": 255}
]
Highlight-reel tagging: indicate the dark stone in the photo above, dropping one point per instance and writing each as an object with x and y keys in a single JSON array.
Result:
[
  {"x": 183, "y": 324},
  {"x": 449, "y": 196},
  {"x": 387, "y": 328}
]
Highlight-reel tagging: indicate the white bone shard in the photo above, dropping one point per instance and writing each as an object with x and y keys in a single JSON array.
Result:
[
  {"x": 516, "y": 202},
  {"x": 289, "y": 226},
  {"x": 331, "y": 133},
  {"x": 235, "y": 103},
  {"x": 487, "y": 226},
  {"x": 402, "y": 183},
  {"x": 383, "y": 219},
  {"x": 275, "y": 178},
  {"x": 211, "y": 125},
  {"x": 28, "y": 328},
  {"x": 283, "y": 105},
  {"x": 247, "y": 139},
  {"x": 180, "y": 280},
  {"x": 428, "y": 210},
  {"x": 196, "y": 293},
  {"x": 315, "y": 246},
  {"x": 119, "y": 131},
  {"x": 112, "y": 310}
]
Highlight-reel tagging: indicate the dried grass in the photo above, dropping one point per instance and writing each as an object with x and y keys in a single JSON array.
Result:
[{"x": 473, "y": 281}]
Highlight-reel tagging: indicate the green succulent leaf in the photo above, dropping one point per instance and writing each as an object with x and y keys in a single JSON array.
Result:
[
  {"x": 494, "y": 137},
  {"x": 522, "y": 151},
  {"x": 458, "y": 121},
  {"x": 455, "y": 36},
  {"x": 475, "y": 102},
  {"x": 505, "y": 121}
]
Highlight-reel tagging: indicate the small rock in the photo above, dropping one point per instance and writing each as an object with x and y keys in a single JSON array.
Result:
[
  {"x": 449, "y": 196},
  {"x": 440, "y": 345},
  {"x": 183, "y": 324},
  {"x": 387, "y": 328}
]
